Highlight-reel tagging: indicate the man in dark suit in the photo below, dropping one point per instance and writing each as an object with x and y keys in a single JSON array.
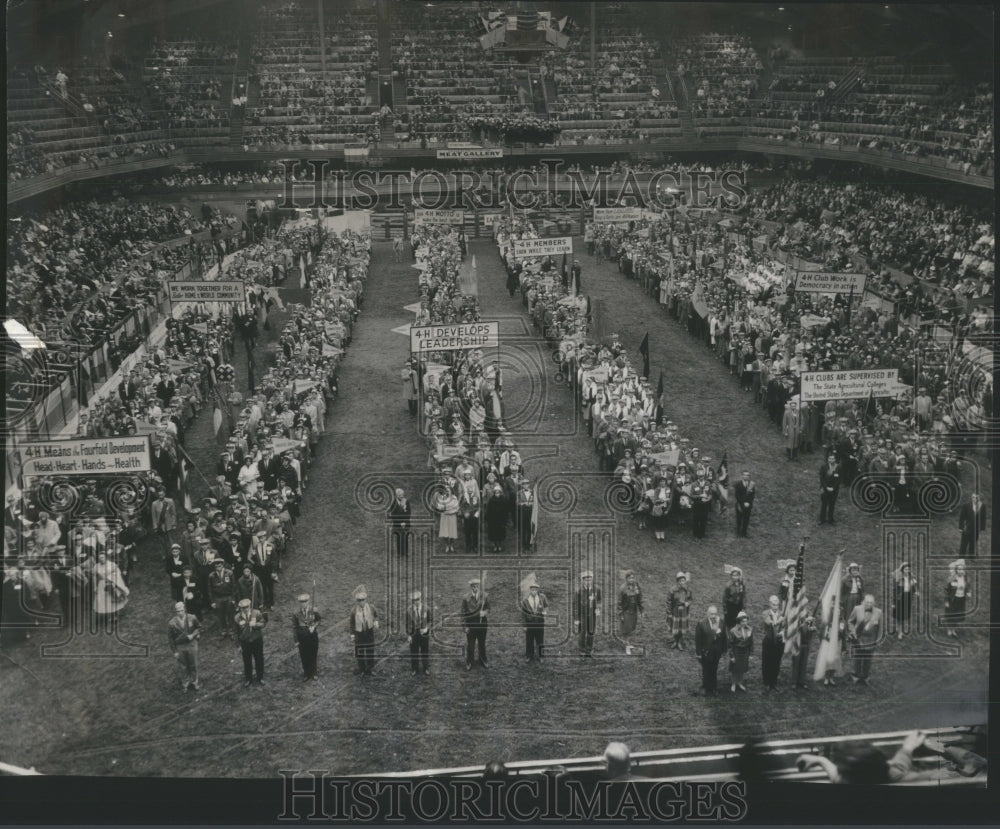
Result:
[
  {"x": 304, "y": 627},
  {"x": 586, "y": 610},
  {"x": 534, "y": 608},
  {"x": 399, "y": 518},
  {"x": 250, "y": 624},
  {"x": 475, "y": 610},
  {"x": 971, "y": 523},
  {"x": 829, "y": 487},
  {"x": 165, "y": 467},
  {"x": 269, "y": 468},
  {"x": 165, "y": 388},
  {"x": 745, "y": 491},
  {"x": 852, "y": 590},
  {"x": 709, "y": 645},
  {"x": 418, "y": 630}
]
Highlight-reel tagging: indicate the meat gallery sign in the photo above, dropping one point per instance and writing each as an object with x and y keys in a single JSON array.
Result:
[
  {"x": 427, "y": 338},
  {"x": 846, "y": 385}
]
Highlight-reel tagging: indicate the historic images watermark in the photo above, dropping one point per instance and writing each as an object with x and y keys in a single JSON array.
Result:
[
  {"x": 550, "y": 183},
  {"x": 316, "y": 796}
]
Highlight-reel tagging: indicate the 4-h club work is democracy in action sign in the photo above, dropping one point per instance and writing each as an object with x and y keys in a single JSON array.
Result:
[
  {"x": 847, "y": 385},
  {"x": 90, "y": 456},
  {"x": 526, "y": 248},
  {"x": 198, "y": 291},
  {"x": 426, "y": 338},
  {"x": 438, "y": 217},
  {"x": 829, "y": 282}
]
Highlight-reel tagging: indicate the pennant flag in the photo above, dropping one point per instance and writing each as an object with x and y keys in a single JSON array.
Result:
[
  {"x": 870, "y": 407},
  {"x": 402, "y": 329},
  {"x": 534, "y": 514},
  {"x": 828, "y": 611},
  {"x": 217, "y": 420},
  {"x": 565, "y": 272},
  {"x": 722, "y": 473},
  {"x": 302, "y": 272},
  {"x": 644, "y": 351},
  {"x": 659, "y": 394}
]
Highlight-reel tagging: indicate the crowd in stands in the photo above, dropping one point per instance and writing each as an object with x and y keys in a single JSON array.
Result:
[
  {"x": 189, "y": 81},
  {"x": 720, "y": 73},
  {"x": 58, "y": 260}
]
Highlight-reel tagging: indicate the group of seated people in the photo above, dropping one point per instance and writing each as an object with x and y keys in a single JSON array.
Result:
[{"x": 720, "y": 73}]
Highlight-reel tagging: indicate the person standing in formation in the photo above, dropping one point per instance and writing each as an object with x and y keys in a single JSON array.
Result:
[
  {"x": 418, "y": 633},
  {"x": 221, "y": 588},
  {"x": 800, "y": 659},
  {"x": 852, "y": 591},
  {"x": 972, "y": 524},
  {"x": 773, "y": 645},
  {"x": 534, "y": 608},
  {"x": 904, "y": 592},
  {"x": 304, "y": 628},
  {"x": 183, "y": 630},
  {"x": 586, "y": 610},
  {"x": 744, "y": 492},
  {"x": 740, "y": 649},
  {"x": 475, "y": 611},
  {"x": 791, "y": 427},
  {"x": 250, "y": 624},
  {"x": 399, "y": 519},
  {"x": 680, "y": 611},
  {"x": 864, "y": 628},
  {"x": 733, "y": 597},
  {"x": 956, "y": 593},
  {"x": 629, "y": 608},
  {"x": 710, "y": 642},
  {"x": 829, "y": 487},
  {"x": 364, "y": 623}
]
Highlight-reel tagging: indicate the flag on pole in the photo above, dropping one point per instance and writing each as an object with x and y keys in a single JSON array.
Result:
[
  {"x": 565, "y": 273},
  {"x": 870, "y": 407},
  {"x": 644, "y": 351},
  {"x": 534, "y": 513},
  {"x": 795, "y": 609},
  {"x": 722, "y": 473},
  {"x": 659, "y": 393},
  {"x": 828, "y": 656},
  {"x": 217, "y": 419}
]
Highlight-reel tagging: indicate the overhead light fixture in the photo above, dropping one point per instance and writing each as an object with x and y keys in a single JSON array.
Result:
[
  {"x": 781, "y": 8},
  {"x": 22, "y": 336},
  {"x": 110, "y": 35},
  {"x": 121, "y": 14}
]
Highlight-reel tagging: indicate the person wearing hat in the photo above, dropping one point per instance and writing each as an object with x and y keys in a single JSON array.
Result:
[
  {"x": 829, "y": 487},
  {"x": 679, "y": 608},
  {"x": 250, "y": 624},
  {"x": 710, "y": 643},
  {"x": 248, "y": 587},
  {"x": 418, "y": 628},
  {"x": 586, "y": 610},
  {"x": 733, "y": 597},
  {"x": 475, "y": 620},
  {"x": 744, "y": 491},
  {"x": 740, "y": 649},
  {"x": 956, "y": 593},
  {"x": 262, "y": 559},
  {"x": 534, "y": 608},
  {"x": 852, "y": 590},
  {"x": 363, "y": 624},
  {"x": 701, "y": 501},
  {"x": 191, "y": 593},
  {"x": 221, "y": 589},
  {"x": 399, "y": 520},
  {"x": 525, "y": 515},
  {"x": 304, "y": 629},
  {"x": 864, "y": 629},
  {"x": 630, "y": 608},
  {"x": 184, "y": 631}
]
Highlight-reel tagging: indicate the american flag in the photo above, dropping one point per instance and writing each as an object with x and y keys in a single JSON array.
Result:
[{"x": 795, "y": 610}]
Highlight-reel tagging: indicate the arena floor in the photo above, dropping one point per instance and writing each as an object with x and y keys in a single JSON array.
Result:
[{"x": 113, "y": 707}]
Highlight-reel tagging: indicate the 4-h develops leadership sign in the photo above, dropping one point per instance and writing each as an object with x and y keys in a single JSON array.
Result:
[
  {"x": 90, "y": 456},
  {"x": 830, "y": 282},
  {"x": 206, "y": 291},
  {"x": 848, "y": 385},
  {"x": 427, "y": 338},
  {"x": 526, "y": 248}
]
